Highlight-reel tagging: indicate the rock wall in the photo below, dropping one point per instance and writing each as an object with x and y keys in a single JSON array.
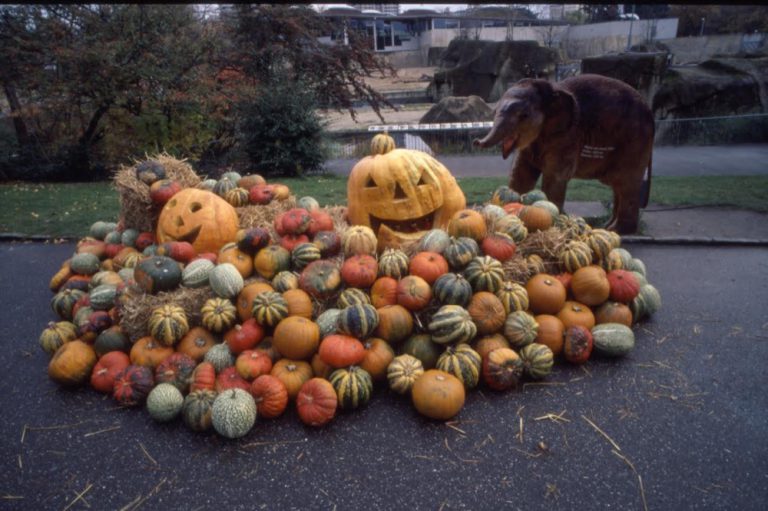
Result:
[{"x": 643, "y": 71}]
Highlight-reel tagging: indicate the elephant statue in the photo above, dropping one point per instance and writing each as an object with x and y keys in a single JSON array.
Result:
[{"x": 586, "y": 127}]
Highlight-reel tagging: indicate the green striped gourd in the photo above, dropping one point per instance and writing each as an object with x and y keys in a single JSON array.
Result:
[
  {"x": 225, "y": 280},
  {"x": 504, "y": 195},
  {"x": 284, "y": 281},
  {"x": 167, "y": 324},
  {"x": 112, "y": 339},
  {"x": 641, "y": 280},
  {"x": 352, "y": 296},
  {"x": 601, "y": 242},
  {"x": 535, "y": 264},
  {"x": 436, "y": 240},
  {"x": 63, "y": 302},
  {"x": 574, "y": 255},
  {"x": 100, "y": 229},
  {"x": 218, "y": 314},
  {"x": 484, "y": 274},
  {"x": 646, "y": 303},
  {"x": 358, "y": 321},
  {"x": 269, "y": 308},
  {"x": 393, "y": 263},
  {"x": 233, "y": 413},
  {"x": 452, "y": 289},
  {"x": 520, "y": 329},
  {"x": 113, "y": 237},
  {"x": 492, "y": 212},
  {"x": 327, "y": 321},
  {"x": 537, "y": 360},
  {"x": 403, "y": 372},
  {"x": 224, "y": 185},
  {"x": 196, "y": 273},
  {"x": 103, "y": 297},
  {"x": 613, "y": 339},
  {"x": 549, "y": 206},
  {"x": 513, "y": 296},
  {"x": 207, "y": 184},
  {"x": 85, "y": 264},
  {"x": 197, "y": 409},
  {"x": 512, "y": 226},
  {"x": 460, "y": 251},
  {"x": 307, "y": 202},
  {"x": 129, "y": 237},
  {"x": 303, "y": 254},
  {"x": 463, "y": 362},
  {"x": 452, "y": 324},
  {"x": 232, "y": 176},
  {"x": 423, "y": 348},
  {"x": 164, "y": 402},
  {"x": 353, "y": 386},
  {"x": 220, "y": 357},
  {"x": 237, "y": 197},
  {"x": 635, "y": 265},
  {"x": 533, "y": 196},
  {"x": 56, "y": 334}
]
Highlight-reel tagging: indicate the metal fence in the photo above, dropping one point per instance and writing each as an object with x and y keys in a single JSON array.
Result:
[{"x": 456, "y": 138}]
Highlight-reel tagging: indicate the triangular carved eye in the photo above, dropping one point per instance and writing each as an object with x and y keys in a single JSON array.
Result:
[
  {"x": 399, "y": 193},
  {"x": 369, "y": 183},
  {"x": 421, "y": 181}
]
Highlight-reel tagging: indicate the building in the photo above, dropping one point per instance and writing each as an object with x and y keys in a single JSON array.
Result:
[{"x": 390, "y": 9}]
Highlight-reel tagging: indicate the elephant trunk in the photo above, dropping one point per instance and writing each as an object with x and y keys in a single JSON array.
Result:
[{"x": 493, "y": 137}]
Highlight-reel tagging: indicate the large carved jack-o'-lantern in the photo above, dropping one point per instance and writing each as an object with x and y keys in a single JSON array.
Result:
[
  {"x": 202, "y": 218},
  {"x": 401, "y": 195}
]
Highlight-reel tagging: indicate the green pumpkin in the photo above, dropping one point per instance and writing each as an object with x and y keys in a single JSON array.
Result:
[
  {"x": 85, "y": 264},
  {"x": 113, "y": 237},
  {"x": 537, "y": 360},
  {"x": 285, "y": 280},
  {"x": 224, "y": 185},
  {"x": 157, "y": 273},
  {"x": 112, "y": 339},
  {"x": 358, "y": 321},
  {"x": 327, "y": 321},
  {"x": 613, "y": 339},
  {"x": 103, "y": 297},
  {"x": 269, "y": 308},
  {"x": 635, "y": 265},
  {"x": 504, "y": 195},
  {"x": 452, "y": 289},
  {"x": 352, "y": 296},
  {"x": 484, "y": 274},
  {"x": 233, "y": 413},
  {"x": 207, "y": 184},
  {"x": 303, "y": 254},
  {"x": 393, "y": 263},
  {"x": 646, "y": 303},
  {"x": 513, "y": 296},
  {"x": 353, "y": 386},
  {"x": 460, "y": 251},
  {"x": 308, "y": 203},
  {"x": 197, "y": 409},
  {"x": 100, "y": 229},
  {"x": 225, "y": 280},
  {"x": 164, "y": 402},
  {"x": 232, "y": 176},
  {"x": 167, "y": 324},
  {"x": 220, "y": 357},
  {"x": 520, "y": 329},
  {"x": 533, "y": 196},
  {"x": 424, "y": 349},
  {"x": 436, "y": 240},
  {"x": 463, "y": 362},
  {"x": 129, "y": 237},
  {"x": 56, "y": 334},
  {"x": 403, "y": 372},
  {"x": 196, "y": 273},
  {"x": 63, "y": 302},
  {"x": 452, "y": 324}
]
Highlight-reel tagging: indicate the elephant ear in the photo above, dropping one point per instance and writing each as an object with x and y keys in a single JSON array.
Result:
[{"x": 561, "y": 112}]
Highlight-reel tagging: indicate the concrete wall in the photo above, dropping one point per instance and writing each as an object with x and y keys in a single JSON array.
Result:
[{"x": 696, "y": 49}]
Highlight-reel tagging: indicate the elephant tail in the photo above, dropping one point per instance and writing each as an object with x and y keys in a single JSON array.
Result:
[{"x": 645, "y": 189}]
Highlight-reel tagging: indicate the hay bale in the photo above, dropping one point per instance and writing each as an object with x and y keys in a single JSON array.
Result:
[{"x": 137, "y": 210}]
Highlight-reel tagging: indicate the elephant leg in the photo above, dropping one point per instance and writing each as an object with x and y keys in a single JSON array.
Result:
[
  {"x": 628, "y": 214},
  {"x": 554, "y": 186},
  {"x": 524, "y": 176},
  {"x": 611, "y": 224}
]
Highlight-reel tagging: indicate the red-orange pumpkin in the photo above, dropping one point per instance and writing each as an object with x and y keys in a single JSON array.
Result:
[
  {"x": 395, "y": 323},
  {"x": 384, "y": 292},
  {"x": 339, "y": 350},
  {"x": 359, "y": 271},
  {"x": 428, "y": 265},
  {"x": 378, "y": 355},
  {"x": 244, "y": 337},
  {"x": 203, "y": 377},
  {"x": 413, "y": 292},
  {"x": 624, "y": 286},
  {"x": 270, "y": 395},
  {"x": 316, "y": 402},
  {"x": 251, "y": 364},
  {"x": 229, "y": 378},
  {"x": 106, "y": 369},
  {"x": 551, "y": 332}
]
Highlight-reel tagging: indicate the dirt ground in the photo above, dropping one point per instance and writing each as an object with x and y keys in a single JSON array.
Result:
[{"x": 407, "y": 79}]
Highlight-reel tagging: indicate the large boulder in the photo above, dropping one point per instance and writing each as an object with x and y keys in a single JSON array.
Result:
[
  {"x": 640, "y": 70},
  {"x": 488, "y": 68},
  {"x": 458, "y": 109}
]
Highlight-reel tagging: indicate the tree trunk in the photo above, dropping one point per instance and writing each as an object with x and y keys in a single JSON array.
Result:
[{"x": 22, "y": 134}]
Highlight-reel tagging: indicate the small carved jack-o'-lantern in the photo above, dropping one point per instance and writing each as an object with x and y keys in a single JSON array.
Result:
[
  {"x": 202, "y": 218},
  {"x": 401, "y": 195}
]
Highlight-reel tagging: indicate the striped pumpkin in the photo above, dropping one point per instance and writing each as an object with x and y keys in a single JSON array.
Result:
[
  {"x": 452, "y": 324},
  {"x": 168, "y": 323},
  {"x": 64, "y": 301},
  {"x": 601, "y": 242},
  {"x": 513, "y": 297},
  {"x": 463, "y": 362},
  {"x": 353, "y": 386},
  {"x": 537, "y": 360},
  {"x": 452, "y": 289},
  {"x": 56, "y": 334},
  {"x": 436, "y": 240},
  {"x": 512, "y": 226},
  {"x": 393, "y": 263},
  {"x": 327, "y": 321},
  {"x": 359, "y": 320},
  {"x": 359, "y": 239},
  {"x": 574, "y": 255},
  {"x": 220, "y": 357},
  {"x": 224, "y": 185},
  {"x": 484, "y": 274},
  {"x": 237, "y": 197},
  {"x": 303, "y": 254},
  {"x": 504, "y": 195},
  {"x": 269, "y": 308},
  {"x": 520, "y": 329},
  {"x": 535, "y": 264},
  {"x": 225, "y": 280},
  {"x": 196, "y": 273},
  {"x": 612, "y": 261},
  {"x": 352, "y": 296},
  {"x": 218, "y": 314},
  {"x": 103, "y": 297},
  {"x": 646, "y": 303},
  {"x": 382, "y": 143},
  {"x": 196, "y": 410},
  {"x": 460, "y": 251},
  {"x": 285, "y": 281},
  {"x": 403, "y": 372}
]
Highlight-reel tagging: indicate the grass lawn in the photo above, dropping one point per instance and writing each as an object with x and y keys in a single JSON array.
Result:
[{"x": 69, "y": 209}]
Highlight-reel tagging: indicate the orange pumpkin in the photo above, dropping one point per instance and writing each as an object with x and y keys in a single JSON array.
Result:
[
  {"x": 199, "y": 217},
  {"x": 438, "y": 395},
  {"x": 535, "y": 218},
  {"x": 245, "y": 298},
  {"x": 230, "y": 253},
  {"x": 270, "y": 395},
  {"x": 148, "y": 352},
  {"x": 251, "y": 364},
  {"x": 551, "y": 332},
  {"x": 613, "y": 312},
  {"x": 292, "y": 373},
  {"x": 296, "y": 337},
  {"x": 395, "y": 323},
  {"x": 339, "y": 350},
  {"x": 384, "y": 292},
  {"x": 576, "y": 314},
  {"x": 590, "y": 285},
  {"x": 359, "y": 271},
  {"x": 106, "y": 369},
  {"x": 299, "y": 303},
  {"x": 468, "y": 223},
  {"x": 487, "y": 344},
  {"x": 316, "y": 402},
  {"x": 378, "y": 355},
  {"x": 546, "y": 294},
  {"x": 203, "y": 377},
  {"x": 196, "y": 343},
  {"x": 413, "y": 293},
  {"x": 72, "y": 364},
  {"x": 487, "y": 312},
  {"x": 320, "y": 368},
  {"x": 428, "y": 265}
]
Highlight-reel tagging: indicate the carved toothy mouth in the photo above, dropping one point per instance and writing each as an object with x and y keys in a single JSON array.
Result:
[
  {"x": 190, "y": 237},
  {"x": 412, "y": 225}
]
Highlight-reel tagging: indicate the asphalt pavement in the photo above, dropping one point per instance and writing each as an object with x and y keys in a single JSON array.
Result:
[{"x": 681, "y": 422}]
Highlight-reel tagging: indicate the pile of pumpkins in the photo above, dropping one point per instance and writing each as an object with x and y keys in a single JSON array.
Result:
[{"x": 319, "y": 316}]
